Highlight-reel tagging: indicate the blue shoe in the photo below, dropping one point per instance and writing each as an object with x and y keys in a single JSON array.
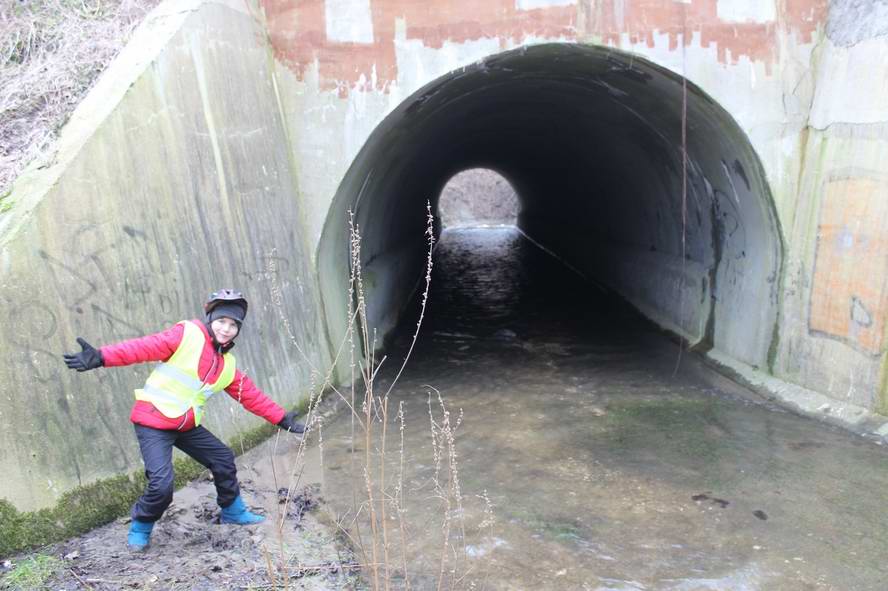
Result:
[
  {"x": 139, "y": 535},
  {"x": 237, "y": 513}
]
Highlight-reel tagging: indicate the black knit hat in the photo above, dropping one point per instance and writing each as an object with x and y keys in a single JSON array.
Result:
[{"x": 228, "y": 310}]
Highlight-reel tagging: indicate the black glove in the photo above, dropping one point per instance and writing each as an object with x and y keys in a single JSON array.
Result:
[
  {"x": 289, "y": 423},
  {"x": 89, "y": 358}
]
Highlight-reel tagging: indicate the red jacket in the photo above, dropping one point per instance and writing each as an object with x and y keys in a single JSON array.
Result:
[{"x": 160, "y": 347}]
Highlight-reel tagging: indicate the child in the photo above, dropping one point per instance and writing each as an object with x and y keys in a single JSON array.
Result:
[{"x": 195, "y": 363}]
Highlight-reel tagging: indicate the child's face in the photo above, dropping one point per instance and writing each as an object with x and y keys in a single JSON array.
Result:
[{"x": 224, "y": 329}]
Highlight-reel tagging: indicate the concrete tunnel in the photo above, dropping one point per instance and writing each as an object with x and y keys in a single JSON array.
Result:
[{"x": 592, "y": 141}]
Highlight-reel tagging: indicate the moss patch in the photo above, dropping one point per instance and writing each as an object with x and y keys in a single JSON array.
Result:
[
  {"x": 87, "y": 507},
  {"x": 684, "y": 432},
  {"x": 250, "y": 439},
  {"x": 32, "y": 573},
  {"x": 5, "y": 202},
  {"x": 882, "y": 398}
]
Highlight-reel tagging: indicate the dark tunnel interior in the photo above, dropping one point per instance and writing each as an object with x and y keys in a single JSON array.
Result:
[{"x": 593, "y": 141}]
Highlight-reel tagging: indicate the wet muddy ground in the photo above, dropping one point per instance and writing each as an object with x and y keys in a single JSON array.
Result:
[
  {"x": 191, "y": 550},
  {"x": 611, "y": 460}
]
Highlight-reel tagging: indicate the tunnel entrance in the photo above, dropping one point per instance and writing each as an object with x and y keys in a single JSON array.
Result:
[{"x": 593, "y": 140}]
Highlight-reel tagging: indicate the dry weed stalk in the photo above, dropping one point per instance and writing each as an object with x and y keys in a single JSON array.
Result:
[
  {"x": 377, "y": 500},
  {"x": 399, "y": 495},
  {"x": 444, "y": 450}
]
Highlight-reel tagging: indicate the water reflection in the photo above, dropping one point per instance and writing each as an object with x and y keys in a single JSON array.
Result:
[{"x": 607, "y": 468}]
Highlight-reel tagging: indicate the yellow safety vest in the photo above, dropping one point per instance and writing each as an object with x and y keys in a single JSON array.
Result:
[{"x": 174, "y": 386}]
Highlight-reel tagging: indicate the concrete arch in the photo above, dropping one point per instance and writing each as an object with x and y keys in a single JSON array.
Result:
[{"x": 591, "y": 139}]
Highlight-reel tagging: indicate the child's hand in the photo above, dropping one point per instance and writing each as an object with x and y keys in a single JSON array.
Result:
[
  {"x": 289, "y": 423},
  {"x": 89, "y": 358}
]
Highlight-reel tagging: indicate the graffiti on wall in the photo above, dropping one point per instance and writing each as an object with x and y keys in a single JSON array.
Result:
[
  {"x": 85, "y": 284},
  {"x": 849, "y": 292}
]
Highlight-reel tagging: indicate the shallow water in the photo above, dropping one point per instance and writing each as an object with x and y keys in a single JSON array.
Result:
[{"x": 610, "y": 461}]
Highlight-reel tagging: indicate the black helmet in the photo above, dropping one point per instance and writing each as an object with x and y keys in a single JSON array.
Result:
[{"x": 226, "y": 302}]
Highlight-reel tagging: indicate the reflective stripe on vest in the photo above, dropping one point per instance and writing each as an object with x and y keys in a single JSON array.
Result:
[{"x": 174, "y": 386}]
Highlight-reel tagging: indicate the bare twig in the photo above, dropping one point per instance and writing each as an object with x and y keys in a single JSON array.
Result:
[
  {"x": 399, "y": 499},
  {"x": 376, "y": 500},
  {"x": 385, "y": 542},
  {"x": 430, "y": 237},
  {"x": 76, "y": 576},
  {"x": 269, "y": 567}
]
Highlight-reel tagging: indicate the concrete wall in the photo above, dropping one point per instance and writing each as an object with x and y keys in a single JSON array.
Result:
[
  {"x": 835, "y": 335},
  {"x": 173, "y": 178},
  {"x": 224, "y": 145},
  {"x": 804, "y": 79}
]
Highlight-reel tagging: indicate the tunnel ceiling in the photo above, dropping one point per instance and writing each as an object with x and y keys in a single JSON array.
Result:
[{"x": 591, "y": 139}]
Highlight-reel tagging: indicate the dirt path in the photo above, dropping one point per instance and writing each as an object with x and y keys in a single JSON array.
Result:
[{"x": 191, "y": 550}]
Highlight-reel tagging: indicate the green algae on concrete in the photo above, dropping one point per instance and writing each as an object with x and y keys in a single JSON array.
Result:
[
  {"x": 682, "y": 425},
  {"x": 5, "y": 202},
  {"x": 79, "y": 510},
  {"x": 810, "y": 353},
  {"x": 90, "y": 506},
  {"x": 882, "y": 394}
]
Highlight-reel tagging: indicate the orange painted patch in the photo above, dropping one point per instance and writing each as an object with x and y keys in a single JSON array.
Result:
[
  {"x": 299, "y": 38},
  {"x": 849, "y": 295},
  {"x": 298, "y": 30},
  {"x": 498, "y": 19},
  {"x": 756, "y": 41}
]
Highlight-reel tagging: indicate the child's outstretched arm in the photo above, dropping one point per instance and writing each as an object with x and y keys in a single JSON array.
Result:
[
  {"x": 254, "y": 400},
  {"x": 154, "y": 347}
]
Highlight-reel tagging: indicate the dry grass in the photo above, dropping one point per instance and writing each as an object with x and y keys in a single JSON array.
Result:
[
  {"x": 51, "y": 53},
  {"x": 375, "y": 529}
]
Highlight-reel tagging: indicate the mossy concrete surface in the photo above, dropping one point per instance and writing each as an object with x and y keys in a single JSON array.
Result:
[
  {"x": 835, "y": 298},
  {"x": 86, "y": 507},
  {"x": 172, "y": 180}
]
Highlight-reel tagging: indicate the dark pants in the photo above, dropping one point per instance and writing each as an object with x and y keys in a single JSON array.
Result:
[{"x": 157, "y": 453}]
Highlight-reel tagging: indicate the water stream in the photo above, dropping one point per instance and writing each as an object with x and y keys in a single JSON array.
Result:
[{"x": 610, "y": 461}]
